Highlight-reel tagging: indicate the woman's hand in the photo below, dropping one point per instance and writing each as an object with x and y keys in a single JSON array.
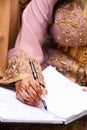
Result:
[
  {"x": 84, "y": 88},
  {"x": 29, "y": 92}
]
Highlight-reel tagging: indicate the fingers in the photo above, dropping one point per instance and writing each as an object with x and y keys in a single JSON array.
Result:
[
  {"x": 29, "y": 92},
  {"x": 84, "y": 89},
  {"x": 34, "y": 86},
  {"x": 25, "y": 97}
]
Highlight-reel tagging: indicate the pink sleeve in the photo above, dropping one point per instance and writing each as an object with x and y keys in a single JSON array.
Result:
[{"x": 32, "y": 36}]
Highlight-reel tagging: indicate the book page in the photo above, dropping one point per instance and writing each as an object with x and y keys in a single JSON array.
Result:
[
  {"x": 12, "y": 110},
  {"x": 65, "y": 98},
  {"x": 65, "y": 101}
]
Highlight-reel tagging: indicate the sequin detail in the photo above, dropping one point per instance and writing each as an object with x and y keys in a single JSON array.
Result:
[{"x": 73, "y": 25}]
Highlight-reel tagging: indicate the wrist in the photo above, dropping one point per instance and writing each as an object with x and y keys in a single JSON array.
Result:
[{"x": 19, "y": 68}]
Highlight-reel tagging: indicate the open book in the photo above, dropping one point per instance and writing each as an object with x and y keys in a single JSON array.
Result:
[{"x": 65, "y": 100}]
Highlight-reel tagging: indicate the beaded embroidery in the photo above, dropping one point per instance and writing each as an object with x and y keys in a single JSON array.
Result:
[{"x": 73, "y": 25}]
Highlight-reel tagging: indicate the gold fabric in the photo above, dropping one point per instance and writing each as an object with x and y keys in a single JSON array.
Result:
[
  {"x": 72, "y": 40},
  {"x": 21, "y": 67},
  {"x": 9, "y": 27}
]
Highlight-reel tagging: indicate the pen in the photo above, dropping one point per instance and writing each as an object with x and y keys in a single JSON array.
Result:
[{"x": 36, "y": 78}]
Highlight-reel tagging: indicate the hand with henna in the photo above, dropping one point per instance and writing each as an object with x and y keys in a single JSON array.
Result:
[
  {"x": 84, "y": 88},
  {"x": 19, "y": 71},
  {"x": 29, "y": 92}
]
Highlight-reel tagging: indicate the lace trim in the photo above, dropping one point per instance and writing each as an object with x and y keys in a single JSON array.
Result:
[{"x": 19, "y": 68}]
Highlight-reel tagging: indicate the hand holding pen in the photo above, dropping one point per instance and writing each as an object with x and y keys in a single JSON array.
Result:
[
  {"x": 31, "y": 92},
  {"x": 37, "y": 79}
]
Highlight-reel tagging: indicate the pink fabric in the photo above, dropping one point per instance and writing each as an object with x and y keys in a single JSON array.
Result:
[
  {"x": 55, "y": 29},
  {"x": 32, "y": 36}
]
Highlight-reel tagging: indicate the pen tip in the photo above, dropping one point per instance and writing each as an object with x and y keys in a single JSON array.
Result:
[{"x": 45, "y": 106}]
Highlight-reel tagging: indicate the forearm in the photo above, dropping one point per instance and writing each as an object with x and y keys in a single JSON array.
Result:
[{"x": 35, "y": 20}]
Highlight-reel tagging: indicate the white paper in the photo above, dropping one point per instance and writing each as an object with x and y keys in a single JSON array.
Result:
[
  {"x": 65, "y": 98},
  {"x": 65, "y": 102},
  {"x": 12, "y": 110}
]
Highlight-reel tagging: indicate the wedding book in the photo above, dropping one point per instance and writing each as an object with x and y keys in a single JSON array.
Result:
[{"x": 66, "y": 102}]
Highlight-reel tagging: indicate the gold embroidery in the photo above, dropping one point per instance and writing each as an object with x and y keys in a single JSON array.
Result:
[
  {"x": 19, "y": 68},
  {"x": 73, "y": 25}
]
